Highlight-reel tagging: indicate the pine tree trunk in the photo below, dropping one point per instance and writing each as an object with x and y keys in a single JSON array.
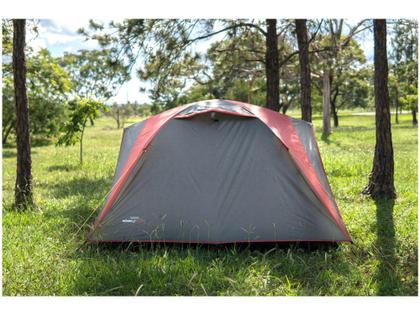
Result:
[
  {"x": 6, "y": 131},
  {"x": 326, "y": 112},
  {"x": 81, "y": 143},
  {"x": 396, "y": 106},
  {"x": 381, "y": 179},
  {"x": 23, "y": 186},
  {"x": 414, "y": 115},
  {"x": 284, "y": 108},
  {"x": 305, "y": 70},
  {"x": 118, "y": 119},
  {"x": 250, "y": 86},
  {"x": 272, "y": 70},
  {"x": 335, "y": 114}
]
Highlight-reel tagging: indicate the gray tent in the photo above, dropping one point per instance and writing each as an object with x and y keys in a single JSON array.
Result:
[{"x": 219, "y": 172}]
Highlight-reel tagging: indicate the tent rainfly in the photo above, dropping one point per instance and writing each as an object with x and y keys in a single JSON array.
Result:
[{"x": 219, "y": 172}]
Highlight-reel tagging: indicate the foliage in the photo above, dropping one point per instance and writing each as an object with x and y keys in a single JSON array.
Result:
[
  {"x": 162, "y": 44},
  {"x": 48, "y": 85},
  {"x": 405, "y": 63},
  {"x": 169, "y": 58},
  {"x": 121, "y": 112},
  {"x": 42, "y": 252},
  {"x": 94, "y": 73},
  {"x": 80, "y": 111},
  {"x": 348, "y": 74},
  {"x": 7, "y": 37}
]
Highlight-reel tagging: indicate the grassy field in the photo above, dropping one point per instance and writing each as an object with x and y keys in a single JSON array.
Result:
[{"x": 42, "y": 252}]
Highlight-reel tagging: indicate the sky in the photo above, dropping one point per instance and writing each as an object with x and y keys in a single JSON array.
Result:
[{"x": 60, "y": 36}]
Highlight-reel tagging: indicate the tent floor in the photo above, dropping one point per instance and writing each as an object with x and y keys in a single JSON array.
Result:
[{"x": 262, "y": 247}]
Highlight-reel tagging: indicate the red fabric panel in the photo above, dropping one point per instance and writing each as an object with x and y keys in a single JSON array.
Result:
[
  {"x": 150, "y": 129},
  {"x": 282, "y": 127}
]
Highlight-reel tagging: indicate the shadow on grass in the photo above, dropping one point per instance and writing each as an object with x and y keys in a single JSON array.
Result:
[
  {"x": 93, "y": 188},
  {"x": 327, "y": 139},
  {"x": 355, "y": 128},
  {"x": 64, "y": 167},
  {"x": 176, "y": 269},
  {"x": 40, "y": 142},
  {"x": 387, "y": 276},
  {"x": 12, "y": 153},
  {"x": 86, "y": 195},
  {"x": 37, "y": 141},
  {"x": 9, "y": 154}
]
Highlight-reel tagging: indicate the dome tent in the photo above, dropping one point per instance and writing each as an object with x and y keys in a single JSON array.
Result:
[{"x": 218, "y": 172}]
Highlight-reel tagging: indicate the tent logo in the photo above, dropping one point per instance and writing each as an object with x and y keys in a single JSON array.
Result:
[{"x": 137, "y": 220}]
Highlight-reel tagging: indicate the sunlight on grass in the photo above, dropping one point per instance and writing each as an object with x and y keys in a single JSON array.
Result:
[{"x": 42, "y": 252}]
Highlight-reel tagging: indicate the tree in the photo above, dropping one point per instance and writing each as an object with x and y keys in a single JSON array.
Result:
[
  {"x": 48, "y": 85},
  {"x": 23, "y": 186},
  {"x": 351, "y": 89},
  {"x": 348, "y": 68},
  {"x": 381, "y": 179},
  {"x": 95, "y": 73},
  {"x": 405, "y": 66},
  {"x": 333, "y": 55},
  {"x": 233, "y": 68},
  {"x": 326, "y": 104},
  {"x": 166, "y": 49},
  {"x": 120, "y": 113},
  {"x": 305, "y": 70},
  {"x": 82, "y": 110}
]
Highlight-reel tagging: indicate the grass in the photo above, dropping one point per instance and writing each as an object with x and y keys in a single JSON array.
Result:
[{"x": 42, "y": 252}]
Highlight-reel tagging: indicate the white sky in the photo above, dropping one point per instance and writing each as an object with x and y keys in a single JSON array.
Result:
[{"x": 60, "y": 36}]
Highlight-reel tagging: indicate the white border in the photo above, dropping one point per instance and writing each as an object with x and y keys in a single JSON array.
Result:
[{"x": 209, "y": 9}]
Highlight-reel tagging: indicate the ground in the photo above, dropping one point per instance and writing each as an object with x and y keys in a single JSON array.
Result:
[{"x": 43, "y": 252}]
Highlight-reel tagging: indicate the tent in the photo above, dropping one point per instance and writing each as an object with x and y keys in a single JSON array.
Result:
[{"x": 216, "y": 172}]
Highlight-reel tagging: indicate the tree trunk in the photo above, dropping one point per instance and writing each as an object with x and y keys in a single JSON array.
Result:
[
  {"x": 326, "y": 112},
  {"x": 335, "y": 114},
  {"x": 381, "y": 179},
  {"x": 118, "y": 119},
  {"x": 272, "y": 70},
  {"x": 396, "y": 105},
  {"x": 6, "y": 131},
  {"x": 305, "y": 70},
  {"x": 250, "y": 86},
  {"x": 23, "y": 186},
  {"x": 81, "y": 143},
  {"x": 284, "y": 108},
  {"x": 333, "y": 100},
  {"x": 414, "y": 114}
]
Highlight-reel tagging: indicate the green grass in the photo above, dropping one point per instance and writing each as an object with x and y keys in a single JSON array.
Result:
[{"x": 42, "y": 253}]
